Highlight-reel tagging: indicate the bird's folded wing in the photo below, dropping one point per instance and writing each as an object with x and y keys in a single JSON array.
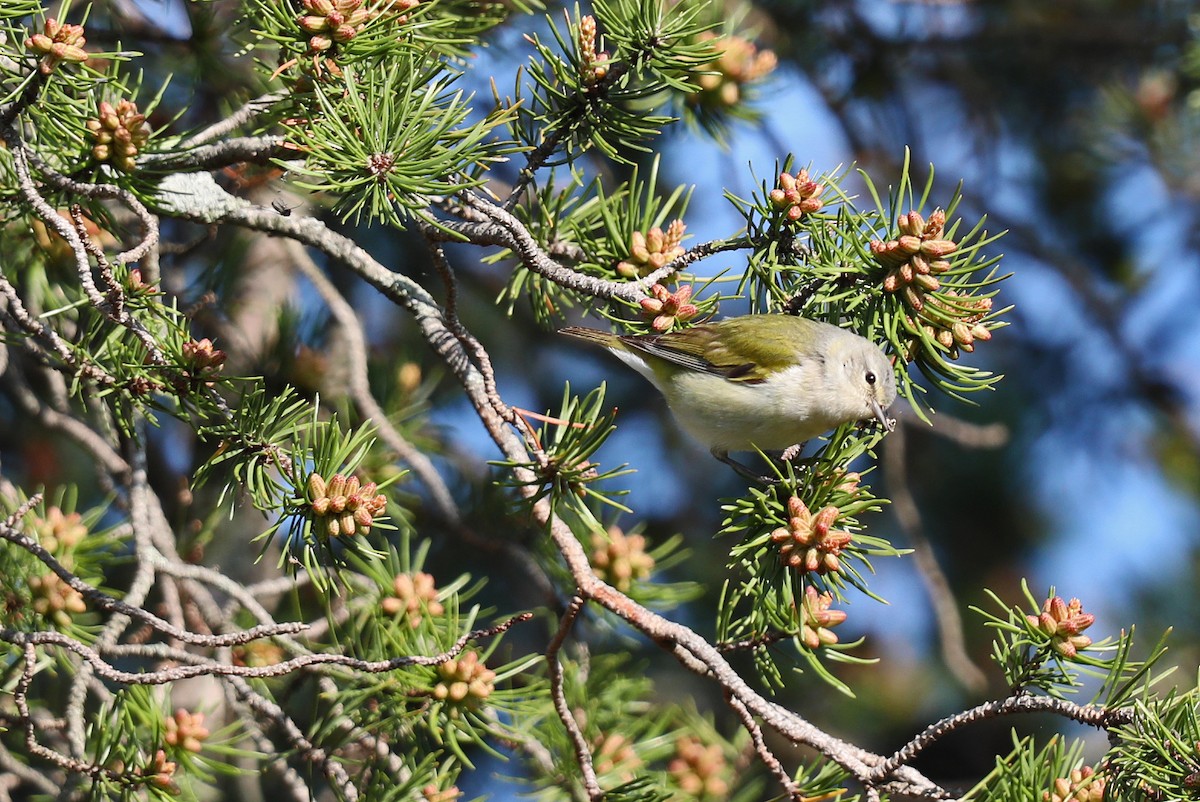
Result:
[{"x": 700, "y": 349}]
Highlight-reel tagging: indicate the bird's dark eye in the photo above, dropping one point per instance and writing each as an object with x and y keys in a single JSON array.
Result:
[{"x": 870, "y": 377}]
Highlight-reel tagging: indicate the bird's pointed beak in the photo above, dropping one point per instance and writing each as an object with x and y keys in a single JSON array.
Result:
[{"x": 881, "y": 415}]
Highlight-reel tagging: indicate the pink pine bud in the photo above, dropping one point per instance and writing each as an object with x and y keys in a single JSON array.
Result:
[{"x": 938, "y": 248}]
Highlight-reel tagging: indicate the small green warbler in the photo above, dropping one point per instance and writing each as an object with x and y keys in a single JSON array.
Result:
[{"x": 765, "y": 381}]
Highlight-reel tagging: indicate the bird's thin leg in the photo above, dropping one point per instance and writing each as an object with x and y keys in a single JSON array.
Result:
[{"x": 743, "y": 470}]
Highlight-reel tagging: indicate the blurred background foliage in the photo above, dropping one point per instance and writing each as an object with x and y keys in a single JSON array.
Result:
[{"x": 1075, "y": 125}]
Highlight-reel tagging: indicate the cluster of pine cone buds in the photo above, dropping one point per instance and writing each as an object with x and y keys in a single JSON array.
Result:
[
  {"x": 258, "y": 653},
  {"x": 615, "y": 755},
  {"x": 738, "y": 63},
  {"x": 916, "y": 257},
  {"x": 120, "y": 133},
  {"x": 669, "y": 308},
  {"x": 58, "y": 42},
  {"x": 1064, "y": 622},
  {"x": 699, "y": 771},
  {"x": 414, "y": 595},
  {"x": 956, "y": 321},
  {"x": 58, "y": 531},
  {"x": 332, "y": 21},
  {"x": 186, "y": 730},
  {"x": 1084, "y": 785},
  {"x": 55, "y": 599},
  {"x": 160, "y": 773},
  {"x": 648, "y": 252},
  {"x": 343, "y": 507},
  {"x": 914, "y": 260},
  {"x": 136, "y": 286},
  {"x": 797, "y": 195},
  {"x": 593, "y": 64},
  {"x": 203, "y": 359},
  {"x": 465, "y": 681},
  {"x": 619, "y": 559},
  {"x": 808, "y": 542},
  {"x": 817, "y": 620}
]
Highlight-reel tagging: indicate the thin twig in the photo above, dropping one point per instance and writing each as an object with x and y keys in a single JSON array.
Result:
[
  {"x": 233, "y": 121},
  {"x": 214, "y": 669},
  {"x": 963, "y": 432},
  {"x": 126, "y": 610},
  {"x": 122, "y": 608},
  {"x": 764, "y": 752},
  {"x": 553, "y": 137},
  {"x": 583, "y": 752},
  {"x": 945, "y": 607},
  {"x": 105, "y": 191},
  {"x": 256, "y": 150},
  {"x": 53, "y": 220},
  {"x": 470, "y": 344},
  {"x": 1100, "y": 717}
]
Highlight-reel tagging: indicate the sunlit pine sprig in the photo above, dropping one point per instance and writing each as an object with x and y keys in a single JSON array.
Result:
[
  {"x": 619, "y": 234},
  {"x": 58, "y": 43},
  {"x": 630, "y": 561},
  {"x": 792, "y": 224},
  {"x": 629, "y": 216},
  {"x": 655, "y": 750},
  {"x": 1159, "y": 750},
  {"x": 316, "y": 40},
  {"x": 729, "y": 86},
  {"x": 565, "y": 470},
  {"x": 768, "y": 600},
  {"x": 649, "y": 49},
  {"x": 53, "y": 54},
  {"x": 426, "y": 776},
  {"x": 466, "y": 703},
  {"x": 463, "y": 701},
  {"x": 674, "y": 304},
  {"x": 626, "y": 748},
  {"x": 383, "y": 144},
  {"x": 116, "y": 131},
  {"x": 703, "y": 761},
  {"x": 400, "y": 607},
  {"x": 125, "y": 739},
  {"x": 1084, "y": 784},
  {"x": 1042, "y": 648},
  {"x": 304, "y": 509},
  {"x": 120, "y": 132},
  {"x": 825, "y": 495},
  {"x": 181, "y": 376},
  {"x": 565, "y": 220},
  {"x": 138, "y": 746},
  {"x": 200, "y": 749},
  {"x": 34, "y": 597},
  {"x": 921, "y": 322},
  {"x": 71, "y": 534},
  {"x": 1029, "y": 773}
]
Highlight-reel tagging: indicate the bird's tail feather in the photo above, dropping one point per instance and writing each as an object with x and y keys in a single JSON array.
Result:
[{"x": 596, "y": 336}]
